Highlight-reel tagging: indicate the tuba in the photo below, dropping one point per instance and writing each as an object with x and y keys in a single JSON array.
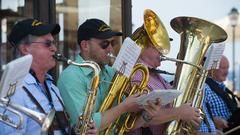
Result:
[
  {"x": 86, "y": 118},
  {"x": 196, "y": 37},
  {"x": 154, "y": 32}
]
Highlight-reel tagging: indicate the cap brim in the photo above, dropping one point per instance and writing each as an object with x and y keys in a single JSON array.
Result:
[
  {"x": 45, "y": 29},
  {"x": 108, "y": 34}
]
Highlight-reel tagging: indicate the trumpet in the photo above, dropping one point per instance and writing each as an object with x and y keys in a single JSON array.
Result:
[
  {"x": 86, "y": 118},
  {"x": 44, "y": 120}
]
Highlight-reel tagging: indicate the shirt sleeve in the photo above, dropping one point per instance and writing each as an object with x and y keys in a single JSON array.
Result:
[{"x": 17, "y": 98}]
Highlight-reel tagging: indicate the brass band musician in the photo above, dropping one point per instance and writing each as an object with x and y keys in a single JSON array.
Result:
[
  {"x": 95, "y": 39},
  {"x": 38, "y": 93},
  {"x": 158, "y": 115}
]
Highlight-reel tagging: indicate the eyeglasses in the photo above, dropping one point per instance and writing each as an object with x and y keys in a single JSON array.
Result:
[
  {"x": 47, "y": 43},
  {"x": 105, "y": 43}
]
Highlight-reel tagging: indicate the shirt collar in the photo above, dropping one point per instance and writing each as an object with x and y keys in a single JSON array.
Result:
[
  {"x": 140, "y": 60},
  {"x": 30, "y": 79},
  {"x": 88, "y": 71}
]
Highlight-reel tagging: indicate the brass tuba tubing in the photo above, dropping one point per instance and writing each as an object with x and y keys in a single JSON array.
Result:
[
  {"x": 153, "y": 33},
  {"x": 164, "y": 58},
  {"x": 196, "y": 37},
  {"x": 86, "y": 118},
  {"x": 42, "y": 119}
]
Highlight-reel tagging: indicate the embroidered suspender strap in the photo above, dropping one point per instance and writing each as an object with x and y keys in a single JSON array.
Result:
[
  {"x": 232, "y": 94},
  {"x": 231, "y": 103},
  {"x": 64, "y": 110},
  {"x": 51, "y": 129},
  {"x": 65, "y": 113},
  {"x": 57, "y": 114},
  {"x": 34, "y": 100}
]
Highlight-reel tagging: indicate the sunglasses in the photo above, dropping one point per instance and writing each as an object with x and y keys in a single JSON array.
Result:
[
  {"x": 47, "y": 43},
  {"x": 104, "y": 44}
]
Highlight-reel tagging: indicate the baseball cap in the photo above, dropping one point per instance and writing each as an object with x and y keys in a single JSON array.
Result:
[
  {"x": 95, "y": 28},
  {"x": 31, "y": 27}
]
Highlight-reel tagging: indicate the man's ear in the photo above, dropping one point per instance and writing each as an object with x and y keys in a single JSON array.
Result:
[
  {"x": 24, "y": 49},
  {"x": 84, "y": 45}
]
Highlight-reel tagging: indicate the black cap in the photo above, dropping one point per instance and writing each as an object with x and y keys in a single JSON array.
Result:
[
  {"x": 31, "y": 27},
  {"x": 95, "y": 28}
]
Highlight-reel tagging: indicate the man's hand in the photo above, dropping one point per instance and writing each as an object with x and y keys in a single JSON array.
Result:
[
  {"x": 190, "y": 114},
  {"x": 220, "y": 123},
  {"x": 152, "y": 108},
  {"x": 131, "y": 104},
  {"x": 92, "y": 129}
]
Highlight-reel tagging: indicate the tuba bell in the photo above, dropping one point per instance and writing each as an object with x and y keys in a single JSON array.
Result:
[
  {"x": 196, "y": 37},
  {"x": 153, "y": 32}
]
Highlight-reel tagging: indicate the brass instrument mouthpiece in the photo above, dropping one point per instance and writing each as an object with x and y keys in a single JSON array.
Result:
[
  {"x": 111, "y": 56},
  {"x": 60, "y": 57}
]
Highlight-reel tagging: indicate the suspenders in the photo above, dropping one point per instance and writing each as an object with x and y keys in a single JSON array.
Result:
[{"x": 61, "y": 119}]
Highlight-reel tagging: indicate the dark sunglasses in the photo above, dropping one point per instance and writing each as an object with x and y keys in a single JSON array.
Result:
[
  {"x": 47, "y": 43},
  {"x": 104, "y": 44}
]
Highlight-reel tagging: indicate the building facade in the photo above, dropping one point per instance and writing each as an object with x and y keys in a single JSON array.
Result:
[{"x": 69, "y": 14}]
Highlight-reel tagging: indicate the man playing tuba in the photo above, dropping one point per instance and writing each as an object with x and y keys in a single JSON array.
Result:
[{"x": 155, "y": 119}]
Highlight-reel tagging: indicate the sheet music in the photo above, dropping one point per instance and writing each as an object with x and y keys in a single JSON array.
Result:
[
  {"x": 14, "y": 74},
  {"x": 165, "y": 96},
  {"x": 213, "y": 56},
  {"x": 127, "y": 57}
]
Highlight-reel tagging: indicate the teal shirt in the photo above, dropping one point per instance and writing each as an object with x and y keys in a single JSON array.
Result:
[{"x": 74, "y": 84}]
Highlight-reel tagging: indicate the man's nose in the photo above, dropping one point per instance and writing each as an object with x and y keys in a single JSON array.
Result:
[
  {"x": 109, "y": 48},
  {"x": 53, "y": 48}
]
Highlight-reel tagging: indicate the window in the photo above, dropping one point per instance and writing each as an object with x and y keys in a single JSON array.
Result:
[
  {"x": 10, "y": 12},
  {"x": 72, "y": 13}
]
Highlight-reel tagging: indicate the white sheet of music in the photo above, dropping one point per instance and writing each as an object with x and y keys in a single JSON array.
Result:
[
  {"x": 213, "y": 56},
  {"x": 14, "y": 74},
  {"x": 127, "y": 57},
  {"x": 165, "y": 96}
]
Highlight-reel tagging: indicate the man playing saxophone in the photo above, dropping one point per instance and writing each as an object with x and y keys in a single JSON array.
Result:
[
  {"x": 38, "y": 93},
  {"x": 95, "y": 39},
  {"x": 156, "y": 118}
]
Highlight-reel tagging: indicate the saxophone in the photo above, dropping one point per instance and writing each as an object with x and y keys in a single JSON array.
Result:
[{"x": 86, "y": 118}]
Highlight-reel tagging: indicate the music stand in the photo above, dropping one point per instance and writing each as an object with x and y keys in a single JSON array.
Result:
[{"x": 14, "y": 74}]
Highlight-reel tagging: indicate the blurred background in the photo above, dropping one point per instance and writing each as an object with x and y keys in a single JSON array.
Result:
[{"x": 125, "y": 16}]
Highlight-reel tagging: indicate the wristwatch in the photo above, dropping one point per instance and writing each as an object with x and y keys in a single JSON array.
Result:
[{"x": 146, "y": 117}]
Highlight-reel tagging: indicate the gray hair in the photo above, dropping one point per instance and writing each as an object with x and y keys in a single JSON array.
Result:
[{"x": 27, "y": 40}]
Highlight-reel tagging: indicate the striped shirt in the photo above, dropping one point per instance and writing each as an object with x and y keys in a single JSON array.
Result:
[{"x": 156, "y": 82}]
